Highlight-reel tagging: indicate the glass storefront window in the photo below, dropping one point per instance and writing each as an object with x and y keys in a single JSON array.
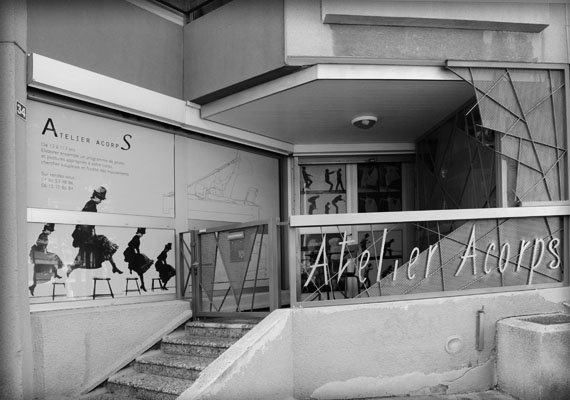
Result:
[
  {"x": 379, "y": 187},
  {"x": 362, "y": 261},
  {"x": 506, "y": 152},
  {"x": 101, "y": 208},
  {"x": 323, "y": 189}
]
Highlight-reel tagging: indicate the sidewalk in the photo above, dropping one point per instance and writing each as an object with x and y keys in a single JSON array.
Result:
[{"x": 487, "y": 395}]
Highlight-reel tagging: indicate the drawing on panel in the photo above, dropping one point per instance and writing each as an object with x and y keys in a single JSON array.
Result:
[{"x": 223, "y": 185}]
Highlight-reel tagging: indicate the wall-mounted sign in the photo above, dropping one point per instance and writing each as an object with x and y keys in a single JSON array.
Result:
[
  {"x": 476, "y": 254},
  {"x": 71, "y": 154},
  {"x": 21, "y": 110}
]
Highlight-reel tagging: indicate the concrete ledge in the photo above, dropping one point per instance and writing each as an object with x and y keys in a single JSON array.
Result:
[
  {"x": 88, "y": 345},
  {"x": 533, "y": 18},
  {"x": 534, "y": 355},
  {"x": 257, "y": 367}
]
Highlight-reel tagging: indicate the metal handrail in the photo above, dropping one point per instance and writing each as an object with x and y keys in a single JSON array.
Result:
[{"x": 324, "y": 220}]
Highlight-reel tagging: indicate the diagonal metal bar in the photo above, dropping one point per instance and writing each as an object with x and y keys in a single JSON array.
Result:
[
  {"x": 530, "y": 133},
  {"x": 544, "y": 176}
]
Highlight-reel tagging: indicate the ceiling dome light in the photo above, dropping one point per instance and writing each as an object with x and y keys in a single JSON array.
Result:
[{"x": 365, "y": 121}]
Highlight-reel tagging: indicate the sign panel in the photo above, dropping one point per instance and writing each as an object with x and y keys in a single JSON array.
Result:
[
  {"x": 475, "y": 254},
  {"x": 225, "y": 184},
  {"x": 72, "y": 154},
  {"x": 83, "y": 262}
]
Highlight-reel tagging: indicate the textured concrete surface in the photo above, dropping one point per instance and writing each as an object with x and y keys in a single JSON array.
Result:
[
  {"x": 534, "y": 355},
  {"x": 87, "y": 345},
  {"x": 486, "y": 395},
  {"x": 132, "y": 383}
]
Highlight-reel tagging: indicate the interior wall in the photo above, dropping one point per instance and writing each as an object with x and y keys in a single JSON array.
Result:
[
  {"x": 110, "y": 37},
  {"x": 75, "y": 349}
]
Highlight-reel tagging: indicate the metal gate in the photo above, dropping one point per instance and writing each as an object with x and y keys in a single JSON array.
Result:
[{"x": 233, "y": 270}]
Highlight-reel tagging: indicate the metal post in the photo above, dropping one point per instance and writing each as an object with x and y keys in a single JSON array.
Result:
[{"x": 274, "y": 270}]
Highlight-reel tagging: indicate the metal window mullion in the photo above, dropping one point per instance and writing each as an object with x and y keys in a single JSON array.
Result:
[
  {"x": 378, "y": 266},
  {"x": 256, "y": 269}
]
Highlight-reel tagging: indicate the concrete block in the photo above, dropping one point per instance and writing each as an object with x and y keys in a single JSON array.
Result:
[{"x": 533, "y": 356}]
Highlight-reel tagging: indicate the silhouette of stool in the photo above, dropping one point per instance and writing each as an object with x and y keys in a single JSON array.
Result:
[
  {"x": 53, "y": 291},
  {"x": 132, "y": 290},
  {"x": 95, "y": 294},
  {"x": 159, "y": 283}
]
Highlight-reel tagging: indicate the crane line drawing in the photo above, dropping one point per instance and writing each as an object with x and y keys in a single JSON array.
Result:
[{"x": 221, "y": 185}]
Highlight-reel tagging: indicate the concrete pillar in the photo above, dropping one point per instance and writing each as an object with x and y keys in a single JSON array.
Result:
[{"x": 16, "y": 368}]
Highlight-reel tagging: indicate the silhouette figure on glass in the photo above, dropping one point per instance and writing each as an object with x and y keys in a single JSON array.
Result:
[
  {"x": 339, "y": 184},
  {"x": 328, "y": 208},
  {"x": 306, "y": 177},
  {"x": 94, "y": 249},
  {"x": 44, "y": 261},
  {"x": 328, "y": 174},
  {"x": 388, "y": 248},
  {"x": 165, "y": 271},
  {"x": 312, "y": 203},
  {"x": 364, "y": 243},
  {"x": 335, "y": 202},
  {"x": 369, "y": 179},
  {"x": 393, "y": 178},
  {"x": 387, "y": 271},
  {"x": 137, "y": 261}
]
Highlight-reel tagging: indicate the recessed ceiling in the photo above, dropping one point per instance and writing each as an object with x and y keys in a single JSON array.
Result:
[{"x": 318, "y": 108}]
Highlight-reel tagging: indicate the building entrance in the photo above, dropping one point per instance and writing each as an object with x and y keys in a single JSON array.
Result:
[{"x": 233, "y": 270}]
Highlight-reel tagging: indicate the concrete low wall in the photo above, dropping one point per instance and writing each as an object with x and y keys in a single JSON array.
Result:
[
  {"x": 257, "y": 367},
  {"x": 75, "y": 350},
  {"x": 368, "y": 350},
  {"x": 534, "y": 356}
]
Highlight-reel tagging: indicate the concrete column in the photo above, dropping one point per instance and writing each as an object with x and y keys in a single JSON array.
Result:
[{"x": 16, "y": 368}]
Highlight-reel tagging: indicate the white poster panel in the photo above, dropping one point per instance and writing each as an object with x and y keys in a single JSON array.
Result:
[
  {"x": 230, "y": 185},
  {"x": 107, "y": 262},
  {"x": 72, "y": 154}
]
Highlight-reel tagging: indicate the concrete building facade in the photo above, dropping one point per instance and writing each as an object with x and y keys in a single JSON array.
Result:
[{"x": 413, "y": 153}]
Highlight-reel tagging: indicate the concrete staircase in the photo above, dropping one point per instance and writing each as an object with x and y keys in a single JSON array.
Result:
[{"x": 164, "y": 373}]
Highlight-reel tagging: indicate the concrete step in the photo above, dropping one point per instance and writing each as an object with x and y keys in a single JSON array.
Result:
[
  {"x": 105, "y": 396},
  {"x": 225, "y": 328},
  {"x": 137, "y": 385},
  {"x": 180, "y": 366},
  {"x": 182, "y": 343},
  {"x": 163, "y": 374}
]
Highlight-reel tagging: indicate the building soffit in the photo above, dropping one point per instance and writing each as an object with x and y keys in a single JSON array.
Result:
[
  {"x": 312, "y": 109},
  {"x": 77, "y": 83}
]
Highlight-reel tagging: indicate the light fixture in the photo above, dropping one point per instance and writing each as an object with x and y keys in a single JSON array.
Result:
[{"x": 364, "y": 121}]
